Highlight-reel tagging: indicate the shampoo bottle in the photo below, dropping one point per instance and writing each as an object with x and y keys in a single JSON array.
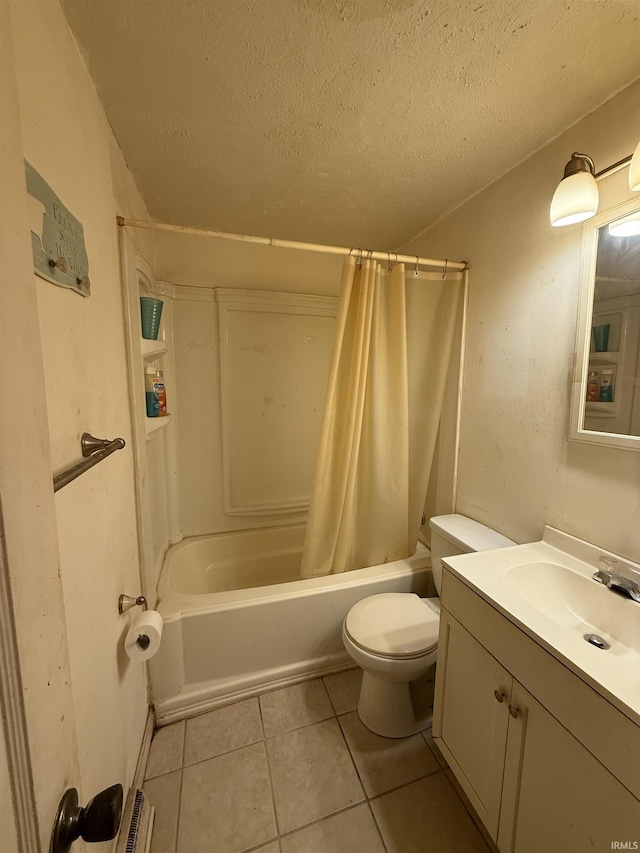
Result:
[
  {"x": 593, "y": 386},
  {"x": 606, "y": 385},
  {"x": 150, "y": 393},
  {"x": 161, "y": 391}
]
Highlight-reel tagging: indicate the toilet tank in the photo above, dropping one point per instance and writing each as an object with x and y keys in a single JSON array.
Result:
[{"x": 457, "y": 534}]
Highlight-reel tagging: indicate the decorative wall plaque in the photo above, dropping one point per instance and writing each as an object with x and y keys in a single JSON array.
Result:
[{"x": 57, "y": 237}]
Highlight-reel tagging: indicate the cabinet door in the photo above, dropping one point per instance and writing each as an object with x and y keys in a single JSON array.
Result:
[
  {"x": 471, "y": 717},
  {"x": 557, "y": 797}
]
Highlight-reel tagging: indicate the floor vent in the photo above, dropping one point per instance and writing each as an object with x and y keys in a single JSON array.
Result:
[{"x": 137, "y": 823}]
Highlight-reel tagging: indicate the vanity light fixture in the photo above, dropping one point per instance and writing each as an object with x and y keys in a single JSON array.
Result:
[
  {"x": 576, "y": 197},
  {"x": 628, "y": 226}
]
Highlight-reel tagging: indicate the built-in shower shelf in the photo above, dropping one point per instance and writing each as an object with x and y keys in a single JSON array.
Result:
[
  {"x": 152, "y": 349},
  {"x": 151, "y": 425}
]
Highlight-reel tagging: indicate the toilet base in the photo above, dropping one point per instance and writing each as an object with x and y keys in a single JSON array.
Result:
[{"x": 387, "y": 708}]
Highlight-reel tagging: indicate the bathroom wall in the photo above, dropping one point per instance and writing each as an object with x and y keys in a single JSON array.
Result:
[
  {"x": 517, "y": 470},
  {"x": 67, "y": 138}
]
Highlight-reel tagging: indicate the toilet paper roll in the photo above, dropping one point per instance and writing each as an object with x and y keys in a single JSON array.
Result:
[{"x": 144, "y": 635}]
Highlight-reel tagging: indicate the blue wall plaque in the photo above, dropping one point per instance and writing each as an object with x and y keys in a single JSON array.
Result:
[{"x": 57, "y": 237}]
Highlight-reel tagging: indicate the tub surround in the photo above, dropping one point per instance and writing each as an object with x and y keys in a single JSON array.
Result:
[{"x": 251, "y": 370}]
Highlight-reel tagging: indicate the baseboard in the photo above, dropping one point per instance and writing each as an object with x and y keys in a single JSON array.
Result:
[{"x": 205, "y": 698}]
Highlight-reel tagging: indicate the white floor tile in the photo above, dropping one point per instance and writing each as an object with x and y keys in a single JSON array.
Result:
[
  {"x": 165, "y": 754},
  {"x": 296, "y": 706},
  {"x": 428, "y": 736},
  {"x": 226, "y": 803},
  {"x": 426, "y": 812},
  {"x": 344, "y": 690},
  {"x": 353, "y": 831},
  {"x": 163, "y": 792},
  {"x": 312, "y": 774},
  {"x": 222, "y": 730},
  {"x": 386, "y": 763}
]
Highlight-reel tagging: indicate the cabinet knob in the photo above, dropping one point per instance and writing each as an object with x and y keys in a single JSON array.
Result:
[
  {"x": 514, "y": 710},
  {"x": 500, "y": 695}
]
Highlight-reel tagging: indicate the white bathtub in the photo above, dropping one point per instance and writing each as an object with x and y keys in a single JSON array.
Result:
[{"x": 238, "y": 621}]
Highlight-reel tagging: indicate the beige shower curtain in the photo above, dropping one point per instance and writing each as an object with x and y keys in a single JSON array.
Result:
[{"x": 367, "y": 501}]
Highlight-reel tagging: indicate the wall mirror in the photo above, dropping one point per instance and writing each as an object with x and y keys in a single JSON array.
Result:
[{"x": 605, "y": 407}]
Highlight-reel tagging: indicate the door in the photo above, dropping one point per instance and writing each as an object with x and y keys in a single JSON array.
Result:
[
  {"x": 471, "y": 717},
  {"x": 557, "y": 797},
  {"x": 35, "y": 688}
]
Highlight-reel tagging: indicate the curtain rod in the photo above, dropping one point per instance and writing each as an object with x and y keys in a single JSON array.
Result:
[{"x": 293, "y": 244}]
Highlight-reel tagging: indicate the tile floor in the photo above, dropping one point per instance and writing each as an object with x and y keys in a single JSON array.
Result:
[{"x": 295, "y": 771}]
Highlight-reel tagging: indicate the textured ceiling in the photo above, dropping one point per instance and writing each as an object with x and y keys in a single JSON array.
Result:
[{"x": 356, "y": 122}]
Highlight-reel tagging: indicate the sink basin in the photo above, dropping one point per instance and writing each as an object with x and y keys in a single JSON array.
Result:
[{"x": 576, "y": 601}]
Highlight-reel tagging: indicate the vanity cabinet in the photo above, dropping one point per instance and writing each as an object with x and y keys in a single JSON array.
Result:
[
  {"x": 532, "y": 782},
  {"x": 470, "y": 721},
  {"x": 556, "y": 795}
]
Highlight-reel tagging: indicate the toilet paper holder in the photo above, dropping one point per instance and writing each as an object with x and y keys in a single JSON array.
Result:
[{"x": 126, "y": 602}]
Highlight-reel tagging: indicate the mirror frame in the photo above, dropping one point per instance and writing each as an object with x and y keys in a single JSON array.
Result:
[{"x": 583, "y": 337}]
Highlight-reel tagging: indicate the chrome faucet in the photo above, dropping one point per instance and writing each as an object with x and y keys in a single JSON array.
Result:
[{"x": 618, "y": 583}]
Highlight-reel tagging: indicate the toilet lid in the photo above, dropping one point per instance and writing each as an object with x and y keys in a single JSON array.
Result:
[{"x": 394, "y": 624}]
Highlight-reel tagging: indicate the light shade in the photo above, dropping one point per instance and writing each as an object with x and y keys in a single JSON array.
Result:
[
  {"x": 576, "y": 197},
  {"x": 628, "y": 226},
  {"x": 634, "y": 170}
]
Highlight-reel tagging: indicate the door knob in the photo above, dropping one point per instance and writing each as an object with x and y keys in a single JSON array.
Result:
[
  {"x": 99, "y": 820},
  {"x": 500, "y": 695}
]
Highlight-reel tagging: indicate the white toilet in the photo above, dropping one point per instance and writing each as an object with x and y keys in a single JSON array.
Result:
[{"x": 394, "y": 636}]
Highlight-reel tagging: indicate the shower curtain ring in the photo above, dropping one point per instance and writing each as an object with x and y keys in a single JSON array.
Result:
[
  {"x": 415, "y": 272},
  {"x": 389, "y": 262},
  {"x": 444, "y": 271}
]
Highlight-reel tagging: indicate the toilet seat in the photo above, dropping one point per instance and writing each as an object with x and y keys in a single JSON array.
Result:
[{"x": 398, "y": 625}]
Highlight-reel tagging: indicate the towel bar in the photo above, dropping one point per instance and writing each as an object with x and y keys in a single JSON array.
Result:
[{"x": 94, "y": 450}]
